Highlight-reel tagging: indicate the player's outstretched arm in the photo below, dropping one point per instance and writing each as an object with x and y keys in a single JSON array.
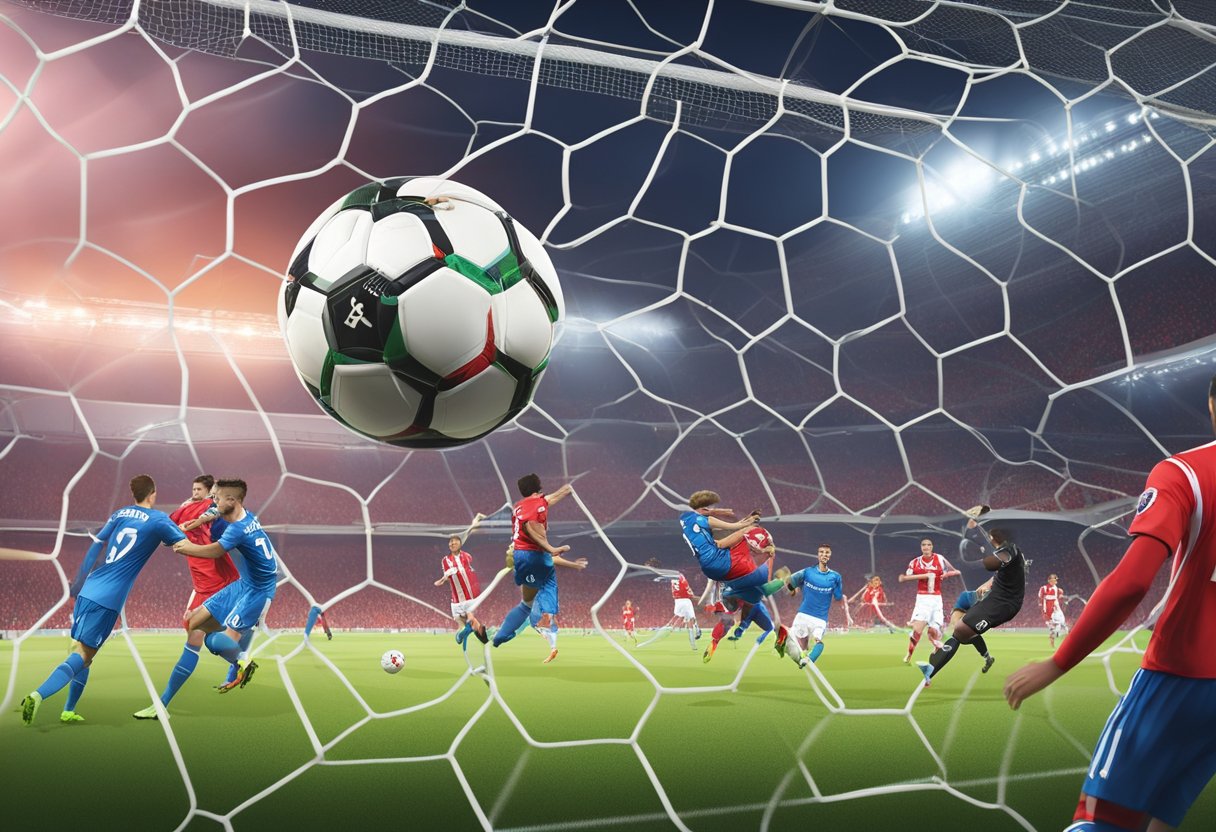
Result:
[
  {"x": 560, "y": 494},
  {"x": 194, "y": 550},
  {"x": 1113, "y": 601},
  {"x": 578, "y": 563},
  {"x": 921, "y": 577}
]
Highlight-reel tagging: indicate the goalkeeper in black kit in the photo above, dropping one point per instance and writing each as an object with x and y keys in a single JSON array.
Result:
[{"x": 1001, "y": 605}]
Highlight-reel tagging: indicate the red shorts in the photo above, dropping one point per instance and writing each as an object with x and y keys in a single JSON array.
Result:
[
  {"x": 716, "y": 608},
  {"x": 628, "y": 626},
  {"x": 741, "y": 561},
  {"x": 196, "y": 600}
]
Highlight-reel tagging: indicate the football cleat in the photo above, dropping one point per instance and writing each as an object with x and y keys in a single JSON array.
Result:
[
  {"x": 147, "y": 713},
  {"x": 244, "y": 672},
  {"x": 551, "y": 657},
  {"x": 926, "y": 669},
  {"x": 30, "y": 706},
  {"x": 70, "y": 716},
  {"x": 709, "y": 652},
  {"x": 989, "y": 660},
  {"x": 782, "y": 634}
]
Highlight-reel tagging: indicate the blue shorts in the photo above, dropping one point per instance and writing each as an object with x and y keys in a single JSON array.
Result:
[
  {"x": 239, "y": 605},
  {"x": 546, "y": 600},
  {"x": 966, "y": 600},
  {"x": 92, "y": 623},
  {"x": 532, "y": 567},
  {"x": 1158, "y": 749}
]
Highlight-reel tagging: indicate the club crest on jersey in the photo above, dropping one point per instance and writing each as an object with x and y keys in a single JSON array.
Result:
[{"x": 1146, "y": 500}]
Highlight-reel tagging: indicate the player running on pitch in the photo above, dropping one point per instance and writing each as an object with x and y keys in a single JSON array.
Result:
[
  {"x": 930, "y": 569},
  {"x": 819, "y": 586},
  {"x": 1051, "y": 603}
]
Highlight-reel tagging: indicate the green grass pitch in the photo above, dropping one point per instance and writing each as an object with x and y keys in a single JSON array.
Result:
[{"x": 726, "y": 760}]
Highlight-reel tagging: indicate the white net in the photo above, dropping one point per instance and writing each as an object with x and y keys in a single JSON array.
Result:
[{"x": 861, "y": 264}]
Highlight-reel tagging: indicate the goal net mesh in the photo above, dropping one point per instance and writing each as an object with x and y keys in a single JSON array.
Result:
[{"x": 859, "y": 264}]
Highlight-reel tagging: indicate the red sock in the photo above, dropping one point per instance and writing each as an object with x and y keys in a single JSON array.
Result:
[
  {"x": 912, "y": 642},
  {"x": 719, "y": 631}
]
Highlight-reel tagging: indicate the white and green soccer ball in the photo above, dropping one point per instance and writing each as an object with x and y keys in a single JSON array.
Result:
[
  {"x": 392, "y": 661},
  {"x": 418, "y": 312}
]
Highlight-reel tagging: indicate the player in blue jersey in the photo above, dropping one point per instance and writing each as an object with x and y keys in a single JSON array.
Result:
[
  {"x": 722, "y": 560},
  {"x": 129, "y": 538},
  {"x": 231, "y": 615},
  {"x": 819, "y": 586}
]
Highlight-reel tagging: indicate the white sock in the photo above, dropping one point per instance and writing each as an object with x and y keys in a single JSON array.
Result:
[
  {"x": 692, "y": 638},
  {"x": 551, "y": 637}
]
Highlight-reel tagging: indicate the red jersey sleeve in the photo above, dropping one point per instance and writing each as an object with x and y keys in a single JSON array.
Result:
[{"x": 1165, "y": 508}]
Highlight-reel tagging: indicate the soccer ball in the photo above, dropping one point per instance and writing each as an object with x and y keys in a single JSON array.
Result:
[
  {"x": 758, "y": 539},
  {"x": 418, "y": 313},
  {"x": 392, "y": 661}
]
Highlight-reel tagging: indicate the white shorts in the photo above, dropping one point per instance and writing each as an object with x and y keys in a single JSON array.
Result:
[
  {"x": 684, "y": 608},
  {"x": 1057, "y": 617},
  {"x": 806, "y": 626},
  {"x": 462, "y": 607},
  {"x": 929, "y": 610}
]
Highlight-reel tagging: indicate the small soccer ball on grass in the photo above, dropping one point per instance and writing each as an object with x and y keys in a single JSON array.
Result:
[
  {"x": 392, "y": 661},
  {"x": 417, "y": 312}
]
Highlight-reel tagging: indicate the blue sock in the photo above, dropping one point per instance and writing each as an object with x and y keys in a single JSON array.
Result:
[
  {"x": 231, "y": 677},
  {"x": 181, "y": 672},
  {"x": 312, "y": 621},
  {"x": 76, "y": 688},
  {"x": 245, "y": 640},
  {"x": 63, "y": 674},
  {"x": 760, "y": 615},
  {"x": 221, "y": 645},
  {"x": 816, "y": 650},
  {"x": 516, "y": 618}
]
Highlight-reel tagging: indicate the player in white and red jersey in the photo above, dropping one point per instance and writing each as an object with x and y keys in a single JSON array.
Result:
[
  {"x": 1158, "y": 749},
  {"x": 457, "y": 566},
  {"x": 628, "y": 614},
  {"x": 873, "y": 599},
  {"x": 930, "y": 569},
  {"x": 1051, "y": 602}
]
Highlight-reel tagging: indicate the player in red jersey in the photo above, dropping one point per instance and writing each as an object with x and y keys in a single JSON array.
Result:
[
  {"x": 930, "y": 569},
  {"x": 873, "y": 599},
  {"x": 628, "y": 614},
  {"x": 208, "y": 575},
  {"x": 457, "y": 566},
  {"x": 681, "y": 596},
  {"x": 1158, "y": 749},
  {"x": 533, "y": 559},
  {"x": 1051, "y": 602}
]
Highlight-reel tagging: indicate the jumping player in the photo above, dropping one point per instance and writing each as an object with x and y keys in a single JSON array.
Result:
[
  {"x": 1051, "y": 603},
  {"x": 723, "y": 560},
  {"x": 131, "y": 535},
  {"x": 999, "y": 606},
  {"x": 1158, "y": 749},
  {"x": 966, "y": 600},
  {"x": 532, "y": 557},
  {"x": 930, "y": 569}
]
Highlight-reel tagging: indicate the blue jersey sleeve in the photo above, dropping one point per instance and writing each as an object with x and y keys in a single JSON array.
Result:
[
  {"x": 839, "y": 593},
  {"x": 798, "y": 578},
  {"x": 170, "y": 533},
  {"x": 232, "y": 537}
]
